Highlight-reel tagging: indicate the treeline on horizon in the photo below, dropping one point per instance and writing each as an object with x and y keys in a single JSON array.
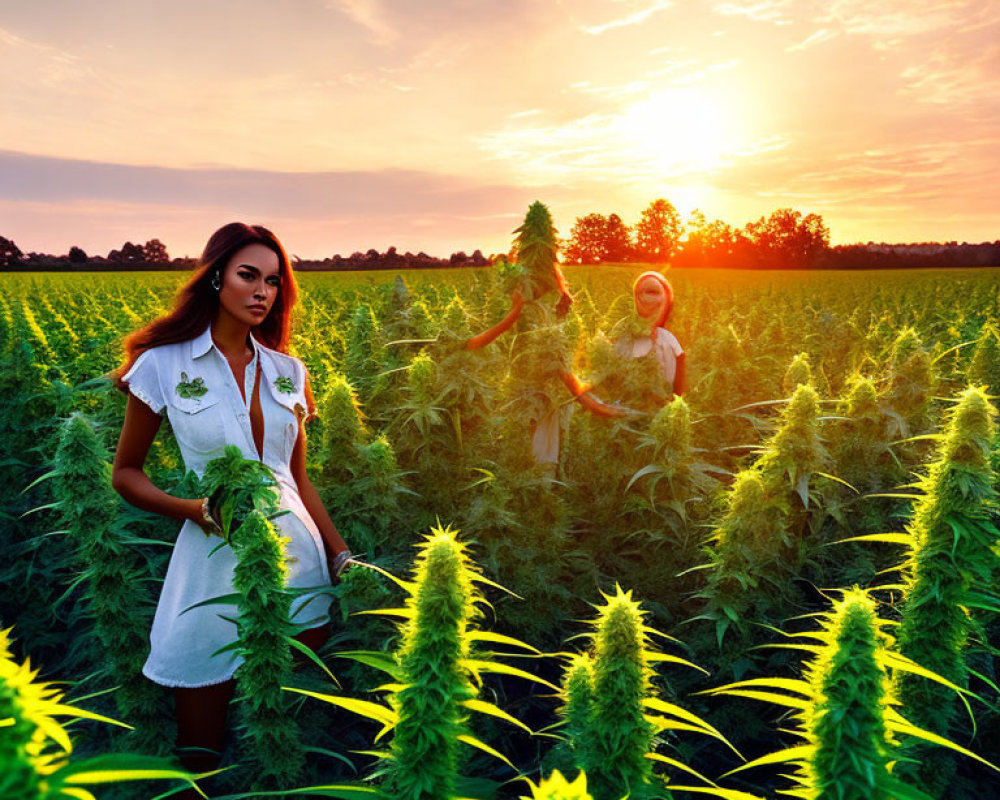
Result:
[{"x": 786, "y": 239}]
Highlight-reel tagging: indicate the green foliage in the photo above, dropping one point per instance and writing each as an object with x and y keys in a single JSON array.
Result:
[
  {"x": 911, "y": 383},
  {"x": 613, "y": 713},
  {"x": 752, "y": 555},
  {"x": 548, "y": 533},
  {"x": 360, "y": 350},
  {"x": 36, "y": 749},
  {"x": 436, "y": 672},
  {"x": 844, "y": 708},
  {"x": 344, "y": 430},
  {"x": 676, "y": 479},
  {"x": 578, "y": 689},
  {"x": 536, "y": 251},
  {"x": 862, "y": 450},
  {"x": 951, "y": 563},
  {"x": 360, "y": 479},
  {"x": 795, "y": 453},
  {"x": 846, "y": 722},
  {"x": 112, "y": 572},
  {"x": 435, "y": 680},
  {"x": 620, "y": 734},
  {"x": 556, "y": 787},
  {"x": 798, "y": 372},
  {"x": 264, "y": 628},
  {"x": 237, "y": 487},
  {"x": 984, "y": 367}
]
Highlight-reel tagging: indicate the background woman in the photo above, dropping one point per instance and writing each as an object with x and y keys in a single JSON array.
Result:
[
  {"x": 216, "y": 365},
  {"x": 658, "y": 362}
]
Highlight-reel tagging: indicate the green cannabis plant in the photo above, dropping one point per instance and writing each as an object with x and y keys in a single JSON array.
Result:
[
  {"x": 613, "y": 713},
  {"x": 247, "y": 495},
  {"x": 751, "y": 556},
  {"x": 436, "y": 671},
  {"x": 951, "y": 562},
  {"x": 264, "y": 632},
  {"x": 844, "y": 708},
  {"x": 112, "y": 573},
  {"x": 238, "y": 486},
  {"x": 36, "y": 749},
  {"x": 798, "y": 372},
  {"x": 984, "y": 367}
]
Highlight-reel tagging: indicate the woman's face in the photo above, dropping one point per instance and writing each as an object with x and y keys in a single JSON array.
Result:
[
  {"x": 250, "y": 283},
  {"x": 650, "y": 297}
]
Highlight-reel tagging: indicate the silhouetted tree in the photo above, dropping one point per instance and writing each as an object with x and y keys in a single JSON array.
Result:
[
  {"x": 658, "y": 232},
  {"x": 787, "y": 240},
  {"x": 77, "y": 255},
  {"x": 156, "y": 252},
  {"x": 596, "y": 238},
  {"x": 619, "y": 239},
  {"x": 10, "y": 253}
]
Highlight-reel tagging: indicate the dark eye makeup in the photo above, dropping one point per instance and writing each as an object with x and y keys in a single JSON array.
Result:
[{"x": 249, "y": 274}]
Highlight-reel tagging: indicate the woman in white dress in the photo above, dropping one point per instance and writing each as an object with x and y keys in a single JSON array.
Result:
[{"x": 216, "y": 366}]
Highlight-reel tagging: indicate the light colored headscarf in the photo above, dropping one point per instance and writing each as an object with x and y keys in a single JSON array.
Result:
[{"x": 656, "y": 314}]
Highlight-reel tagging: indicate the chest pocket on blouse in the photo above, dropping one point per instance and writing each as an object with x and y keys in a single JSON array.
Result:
[
  {"x": 294, "y": 403},
  {"x": 198, "y": 422}
]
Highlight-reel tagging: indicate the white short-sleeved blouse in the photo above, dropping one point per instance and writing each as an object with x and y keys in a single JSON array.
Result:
[
  {"x": 665, "y": 346},
  {"x": 193, "y": 381}
]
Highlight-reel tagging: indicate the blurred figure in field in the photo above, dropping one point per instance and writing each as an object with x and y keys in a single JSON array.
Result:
[
  {"x": 642, "y": 365},
  {"x": 654, "y": 300}
]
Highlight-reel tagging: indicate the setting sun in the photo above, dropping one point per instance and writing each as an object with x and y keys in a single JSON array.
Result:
[{"x": 678, "y": 130}]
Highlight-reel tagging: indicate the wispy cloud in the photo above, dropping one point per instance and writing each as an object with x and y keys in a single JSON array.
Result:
[
  {"x": 892, "y": 18},
  {"x": 820, "y": 36},
  {"x": 630, "y": 19},
  {"x": 370, "y": 15},
  {"x": 757, "y": 10},
  {"x": 957, "y": 77},
  {"x": 45, "y": 66}
]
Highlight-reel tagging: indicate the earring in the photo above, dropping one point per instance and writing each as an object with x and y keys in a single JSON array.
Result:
[{"x": 216, "y": 282}]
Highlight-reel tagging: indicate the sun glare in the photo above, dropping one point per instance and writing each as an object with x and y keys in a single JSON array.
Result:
[{"x": 678, "y": 130}]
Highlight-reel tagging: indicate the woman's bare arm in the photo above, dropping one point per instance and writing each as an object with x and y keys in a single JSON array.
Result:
[
  {"x": 127, "y": 477},
  {"x": 504, "y": 325},
  {"x": 680, "y": 374},
  {"x": 310, "y": 497}
]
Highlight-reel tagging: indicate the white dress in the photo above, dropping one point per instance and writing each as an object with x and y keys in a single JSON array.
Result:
[{"x": 182, "y": 644}]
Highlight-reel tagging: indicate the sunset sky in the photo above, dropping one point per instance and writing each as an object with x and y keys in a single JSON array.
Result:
[{"x": 431, "y": 125}]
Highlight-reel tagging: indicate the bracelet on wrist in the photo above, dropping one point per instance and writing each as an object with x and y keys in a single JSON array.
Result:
[
  {"x": 209, "y": 524},
  {"x": 339, "y": 563}
]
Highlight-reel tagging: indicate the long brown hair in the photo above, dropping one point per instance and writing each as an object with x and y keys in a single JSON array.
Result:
[{"x": 197, "y": 303}]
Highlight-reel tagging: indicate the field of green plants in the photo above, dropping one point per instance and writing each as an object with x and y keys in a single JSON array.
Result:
[{"x": 783, "y": 582}]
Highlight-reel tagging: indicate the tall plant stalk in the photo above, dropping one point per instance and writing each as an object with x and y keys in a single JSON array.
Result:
[
  {"x": 113, "y": 575},
  {"x": 248, "y": 496},
  {"x": 436, "y": 672},
  {"x": 950, "y": 565},
  {"x": 613, "y": 713},
  {"x": 845, "y": 709},
  {"x": 436, "y": 682},
  {"x": 264, "y": 630}
]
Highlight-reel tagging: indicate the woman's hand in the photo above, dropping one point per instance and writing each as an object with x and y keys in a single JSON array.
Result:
[
  {"x": 205, "y": 516},
  {"x": 339, "y": 564}
]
